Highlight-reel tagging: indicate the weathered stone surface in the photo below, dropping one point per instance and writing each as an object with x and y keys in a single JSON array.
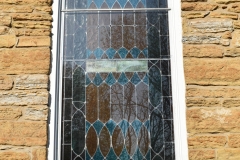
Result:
[
  {"x": 193, "y": 0},
  {"x": 38, "y": 2},
  {"x": 236, "y": 38},
  {"x": 4, "y": 30},
  {"x": 16, "y": 9},
  {"x": 36, "y": 113},
  {"x": 36, "y": 81},
  {"x": 193, "y": 15},
  {"x": 198, "y": 6},
  {"x": 31, "y": 16},
  {"x": 6, "y": 82},
  {"x": 207, "y": 141},
  {"x": 236, "y": 24},
  {"x": 5, "y": 20},
  {"x": 204, "y": 38},
  {"x": 7, "y": 41},
  {"x": 32, "y": 32},
  {"x": 24, "y": 61},
  {"x": 212, "y": 92},
  {"x": 32, "y": 24},
  {"x": 203, "y": 102},
  {"x": 212, "y": 71},
  {"x": 39, "y": 153},
  {"x": 232, "y": 52},
  {"x": 225, "y": 42},
  {"x": 14, "y": 155},
  {"x": 202, "y": 51},
  {"x": 201, "y": 154},
  {"x": 23, "y": 133},
  {"x": 44, "y": 9},
  {"x": 34, "y": 41},
  {"x": 226, "y": 1},
  {"x": 231, "y": 103},
  {"x": 209, "y": 120},
  {"x": 234, "y": 140},
  {"x": 223, "y": 15},
  {"x": 230, "y": 154},
  {"x": 211, "y": 25},
  {"x": 227, "y": 35},
  {"x": 38, "y": 97},
  {"x": 234, "y": 8},
  {"x": 10, "y": 113}
]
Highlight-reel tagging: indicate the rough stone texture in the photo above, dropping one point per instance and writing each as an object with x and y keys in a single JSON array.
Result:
[
  {"x": 36, "y": 113},
  {"x": 228, "y": 154},
  {"x": 7, "y": 41},
  {"x": 16, "y": 9},
  {"x": 198, "y": 7},
  {"x": 204, "y": 38},
  {"x": 226, "y": 1},
  {"x": 236, "y": 38},
  {"x": 193, "y": 15},
  {"x": 39, "y": 154},
  {"x": 31, "y": 97},
  {"x": 211, "y": 25},
  {"x": 201, "y": 154},
  {"x": 23, "y": 133},
  {"x": 36, "y": 81},
  {"x": 200, "y": 51},
  {"x": 21, "y": 2},
  {"x": 31, "y": 16},
  {"x": 44, "y": 9},
  {"x": 10, "y": 113},
  {"x": 5, "y": 20},
  {"x": 207, "y": 141},
  {"x": 234, "y": 140},
  {"x": 236, "y": 24},
  {"x": 211, "y": 120},
  {"x": 4, "y": 30},
  {"x": 34, "y": 41},
  {"x": 203, "y": 102},
  {"x": 224, "y": 15},
  {"x": 32, "y": 24},
  {"x": 234, "y": 8},
  {"x": 32, "y": 60},
  {"x": 13, "y": 155},
  {"x": 232, "y": 52},
  {"x": 227, "y": 35},
  {"x": 231, "y": 103},
  {"x": 32, "y": 32},
  {"x": 6, "y": 82},
  {"x": 212, "y": 71}
]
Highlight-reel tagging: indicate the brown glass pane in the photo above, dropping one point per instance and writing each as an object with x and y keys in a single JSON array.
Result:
[
  {"x": 141, "y": 55},
  {"x": 117, "y": 102},
  {"x": 116, "y": 18},
  {"x": 141, "y": 41},
  {"x": 92, "y": 38},
  {"x": 129, "y": 102},
  {"x": 131, "y": 141},
  {"x": 91, "y": 75},
  {"x": 128, "y": 37},
  {"x": 116, "y": 35},
  {"x": 103, "y": 75},
  {"x": 104, "y": 37},
  {"x": 128, "y": 18},
  {"x": 140, "y": 18},
  {"x": 104, "y": 19},
  {"x": 116, "y": 56},
  {"x": 91, "y": 103},
  {"x": 117, "y": 140},
  {"x": 92, "y": 19},
  {"x": 104, "y": 102},
  {"x": 91, "y": 141},
  {"x": 142, "y": 101},
  {"x": 141, "y": 75},
  {"x": 143, "y": 140},
  {"x": 129, "y": 74},
  {"x": 104, "y": 141},
  {"x": 129, "y": 56},
  {"x": 116, "y": 75}
]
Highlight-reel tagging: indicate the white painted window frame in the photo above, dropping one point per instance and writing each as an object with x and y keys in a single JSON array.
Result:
[{"x": 178, "y": 83}]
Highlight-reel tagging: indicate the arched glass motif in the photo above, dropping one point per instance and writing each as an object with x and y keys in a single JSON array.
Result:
[{"x": 116, "y": 99}]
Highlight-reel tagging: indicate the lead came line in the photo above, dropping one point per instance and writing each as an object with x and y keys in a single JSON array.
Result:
[{"x": 125, "y": 9}]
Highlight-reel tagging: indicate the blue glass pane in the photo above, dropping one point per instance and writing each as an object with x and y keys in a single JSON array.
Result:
[
  {"x": 110, "y": 3},
  {"x": 111, "y": 126},
  {"x": 98, "y": 126},
  {"x": 88, "y": 81},
  {"x": 155, "y": 89},
  {"x": 88, "y": 157},
  {"x": 97, "y": 80},
  {"x": 110, "y": 80},
  {"x": 122, "y": 52},
  {"x": 88, "y": 125},
  {"x": 122, "y": 79},
  {"x": 134, "y": 3},
  {"x": 144, "y": 2},
  {"x": 111, "y": 155},
  {"x": 122, "y": 3},
  {"x": 137, "y": 155},
  {"x": 135, "y": 52},
  {"x": 80, "y": 43},
  {"x": 89, "y": 52},
  {"x": 145, "y": 79},
  {"x": 89, "y": 3},
  {"x": 135, "y": 79},
  {"x": 98, "y": 155},
  {"x": 147, "y": 125},
  {"x": 137, "y": 126},
  {"x": 124, "y": 155},
  {"x": 124, "y": 126},
  {"x": 98, "y": 53},
  {"x": 98, "y": 3},
  {"x": 148, "y": 155},
  {"x": 145, "y": 52},
  {"x": 110, "y": 53}
]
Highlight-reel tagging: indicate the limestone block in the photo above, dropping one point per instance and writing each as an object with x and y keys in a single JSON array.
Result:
[
  {"x": 211, "y": 120},
  {"x": 10, "y": 113},
  {"x": 223, "y": 15},
  {"x": 31, "y": 16},
  {"x": 4, "y": 30},
  {"x": 27, "y": 133},
  {"x": 32, "y": 32},
  {"x": 198, "y": 6},
  {"x": 227, "y": 35},
  {"x": 38, "y": 97},
  {"x": 16, "y": 155},
  {"x": 202, "y": 50},
  {"x": 32, "y": 24},
  {"x": 207, "y": 141},
  {"x": 202, "y": 38},
  {"x": 232, "y": 52},
  {"x": 36, "y": 113},
  {"x": 34, "y": 41},
  {"x": 201, "y": 154},
  {"x": 231, "y": 103},
  {"x": 7, "y": 41},
  {"x": 231, "y": 154},
  {"x": 236, "y": 39},
  {"x": 6, "y": 82},
  {"x": 44, "y": 9},
  {"x": 234, "y": 140},
  {"x": 5, "y": 20},
  {"x": 25, "y": 61},
  {"x": 234, "y": 8},
  {"x": 192, "y": 15},
  {"x": 203, "y": 102},
  {"x": 226, "y": 1},
  {"x": 212, "y": 71},
  {"x": 211, "y": 25},
  {"x": 225, "y": 42},
  {"x": 36, "y": 81},
  {"x": 36, "y": 2},
  {"x": 193, "y": 0},
  {"x": 16, "y": 9},
  {"x": 236, "y": 24},
  {"x": 39, "y": 153}
]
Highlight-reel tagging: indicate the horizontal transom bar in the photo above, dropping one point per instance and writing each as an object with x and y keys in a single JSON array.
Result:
[{"x": 113, "y": 10}]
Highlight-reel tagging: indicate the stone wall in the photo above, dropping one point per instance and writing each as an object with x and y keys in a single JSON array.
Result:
[
  {"x": 25, "y": 29},
  {"x": 211, "y": 48}
]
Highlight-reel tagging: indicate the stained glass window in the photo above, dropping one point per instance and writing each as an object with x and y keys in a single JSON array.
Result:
[{"x": 116, "y": 99}]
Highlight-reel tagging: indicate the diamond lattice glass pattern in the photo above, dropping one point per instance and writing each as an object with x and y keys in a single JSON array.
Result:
[{"x": 117, "y": 100}]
